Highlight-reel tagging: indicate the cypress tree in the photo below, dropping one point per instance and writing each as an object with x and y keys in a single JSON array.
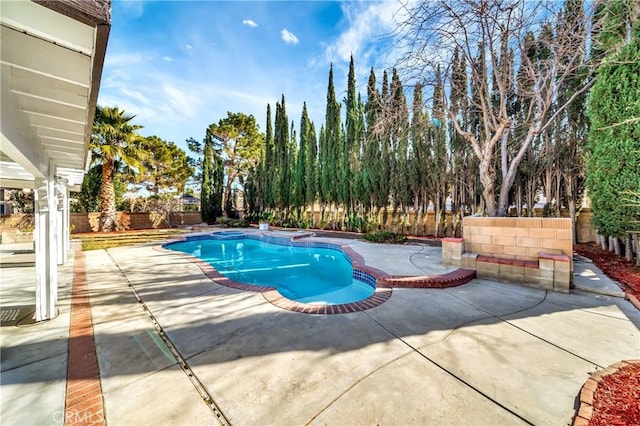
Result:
[
  {"x": 613, "y": 169},
  {"x": 296, "y": 197},
  {"x": 440, "y": 158},
  {"x": 418, "y": 170},
  {"x": 311, "y": 168},
  {"x": 372, "y": 161},
  {"x": 301, "y": 161},
  {"x": 358, "y": 195},
  {"x": 268, "y": 176},
  {"x": 206, "y": 190},
  {"x": 385, "y": 158},
  {"x": 332, "y": 140},
  {"x": 323, "y": 155},
  {"x": 349, "y": 140},
  {"x": 217, "y": 182},
  {"x": 399, "y": 125},
  {"x": 281, "y": 157}
]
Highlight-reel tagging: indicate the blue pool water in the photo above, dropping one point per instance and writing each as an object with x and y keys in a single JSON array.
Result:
[{"x": 304, "y": 274}]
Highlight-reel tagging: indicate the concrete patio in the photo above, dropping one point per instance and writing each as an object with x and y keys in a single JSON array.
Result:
[{"x": 482, "y": 353}]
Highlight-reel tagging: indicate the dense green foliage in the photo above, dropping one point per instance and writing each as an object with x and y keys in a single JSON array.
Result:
[
  {"x": 166, "y": 166},
  {"x": 237, "y": 141},
  {"x": 385, "y": 237},
  {"x": 613, "y": 169}
]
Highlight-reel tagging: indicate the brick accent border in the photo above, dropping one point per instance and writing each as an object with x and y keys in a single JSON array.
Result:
[
  {"x": 634, "y": 300},
  {"x": 83, "y": 400},
  {"x": 585, "y": 410},
  {"x": 384, "y": 283}
]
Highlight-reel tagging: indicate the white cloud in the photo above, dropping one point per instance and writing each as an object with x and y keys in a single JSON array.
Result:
[
  {"x": 289, "y": 37},
  {"x": 366, "y": 27},
  {"x": 184, "y": 99},
  {"x": 134, "y": 94},
  {"x": 249, "y": 23},
  {"x": 188, "y": 46},
  {"x": 167, "y": 58}
]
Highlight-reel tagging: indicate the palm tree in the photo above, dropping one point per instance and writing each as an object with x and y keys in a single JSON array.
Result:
[{"x": 114, "y": 141}]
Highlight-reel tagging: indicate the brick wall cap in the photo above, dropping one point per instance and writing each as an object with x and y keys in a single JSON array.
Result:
[
  {"x": 453, "y": 240},
  {"x": 554, "y": 256}
]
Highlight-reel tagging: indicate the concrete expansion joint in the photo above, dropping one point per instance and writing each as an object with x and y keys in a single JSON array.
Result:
[
  {"x": 180, "y": 360},
  {"x": 541, "y": 301},
  {"x": 416, "y": 350}
]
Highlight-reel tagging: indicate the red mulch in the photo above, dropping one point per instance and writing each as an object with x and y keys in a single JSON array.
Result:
[
  {"x": 617, "y": 398},
  {"x": 616, "y": 267}
]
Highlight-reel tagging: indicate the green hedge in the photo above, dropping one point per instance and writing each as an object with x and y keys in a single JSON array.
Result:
[{"x": 385, "y": 237}]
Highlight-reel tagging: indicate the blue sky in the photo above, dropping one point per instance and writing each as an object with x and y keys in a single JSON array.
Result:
[{"x": 181, "y": 65}]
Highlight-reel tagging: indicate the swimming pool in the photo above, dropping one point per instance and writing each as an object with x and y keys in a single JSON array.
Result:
[{"x": 305, "y": 273}]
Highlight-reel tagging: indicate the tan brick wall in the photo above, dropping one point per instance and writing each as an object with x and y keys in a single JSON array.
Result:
[
  {"x": 89, "y": 222},
  {"x": 20, "y": 221},
  {"x": 517, "y": 238}
]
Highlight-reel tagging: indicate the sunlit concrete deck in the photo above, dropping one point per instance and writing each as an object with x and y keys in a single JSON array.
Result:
[{"x": 481, "y": 353}]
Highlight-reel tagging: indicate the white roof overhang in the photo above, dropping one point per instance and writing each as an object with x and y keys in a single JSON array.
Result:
[{"x": 51, "y": 58}]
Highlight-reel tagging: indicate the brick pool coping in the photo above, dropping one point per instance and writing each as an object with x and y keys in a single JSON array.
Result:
[
  {"x": 383, "y": 290},
  {"x": 585, "y": 410}
]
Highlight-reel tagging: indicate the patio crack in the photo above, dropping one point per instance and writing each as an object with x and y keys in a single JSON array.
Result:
[
  {"x": 506, "y": 321},
  {"x": 415, "y": 350}
]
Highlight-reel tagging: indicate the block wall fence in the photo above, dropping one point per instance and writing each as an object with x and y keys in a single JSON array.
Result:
[
  {"x": 88, "y": 222},
  {"x": 585, "y": 232}
]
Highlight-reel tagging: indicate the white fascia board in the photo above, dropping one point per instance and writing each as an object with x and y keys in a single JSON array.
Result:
[{"x": 39, "y": 21}]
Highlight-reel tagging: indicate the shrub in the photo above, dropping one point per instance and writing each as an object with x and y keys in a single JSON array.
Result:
[
  {"x": 385, "y": 237},
  {"x": 232, "y": 223}
]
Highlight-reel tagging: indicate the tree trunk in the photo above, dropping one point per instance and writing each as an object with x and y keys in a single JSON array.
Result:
[
  {"x": 488, "y": 188},
  {"x": 636, "y": 240},
  {"x": 603, "y": 242},
  {"x": 108, "y": 197},
  {"x": 416, "y": 222},
  {"x": 628, "y": 248},
  {"x": 616, "y": 246},
  {"x": 574, "y": 219}
]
